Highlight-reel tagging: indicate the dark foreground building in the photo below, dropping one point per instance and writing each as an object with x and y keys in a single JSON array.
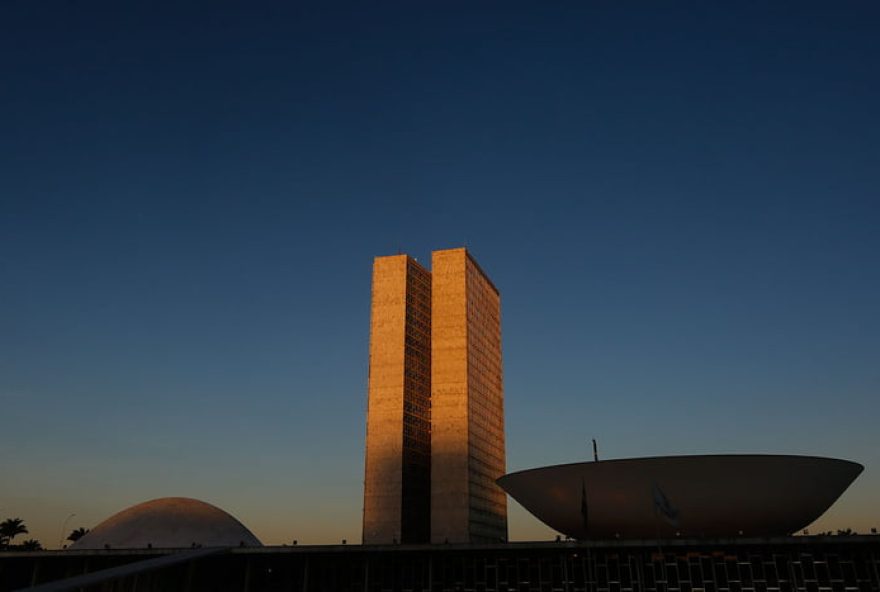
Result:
[{"x": 784, "y": 564}]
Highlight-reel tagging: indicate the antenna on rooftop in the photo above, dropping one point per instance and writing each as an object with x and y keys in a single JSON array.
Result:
[{"x": 595, "y": 451}]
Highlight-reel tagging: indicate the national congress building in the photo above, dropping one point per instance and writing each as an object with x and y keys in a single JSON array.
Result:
[
  {"x": 435, "y": 412},
  {"x": 435, "y": 447}
]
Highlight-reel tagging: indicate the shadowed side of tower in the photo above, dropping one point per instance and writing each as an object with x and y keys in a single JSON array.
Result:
[
  {"x": 397, "y": 485},
  {"x": 467, "y": 403}
]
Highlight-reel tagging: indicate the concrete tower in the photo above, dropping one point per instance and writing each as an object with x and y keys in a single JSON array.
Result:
[
  {"x": 467, "y": 403},
  {"x": 435, "y": 415},
  {"x": 397, "y": 484}
]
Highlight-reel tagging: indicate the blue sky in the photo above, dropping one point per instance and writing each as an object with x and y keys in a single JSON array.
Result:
[{"x": 679, "y": 205}]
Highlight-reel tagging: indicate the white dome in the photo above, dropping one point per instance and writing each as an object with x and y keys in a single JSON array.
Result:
[{"x": 168, "y": 522}]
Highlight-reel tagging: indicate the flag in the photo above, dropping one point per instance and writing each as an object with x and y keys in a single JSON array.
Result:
[
  {"x": 663, "y": 507},
  {"x": 584, "y": 510}
]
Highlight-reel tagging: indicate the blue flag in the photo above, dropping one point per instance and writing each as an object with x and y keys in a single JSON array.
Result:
[{"x": 663, "y": 506}]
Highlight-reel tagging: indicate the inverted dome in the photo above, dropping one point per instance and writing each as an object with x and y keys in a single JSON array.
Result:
[
  {"x": 168, "y": 522},
  {"x": 712, "y": 495}
]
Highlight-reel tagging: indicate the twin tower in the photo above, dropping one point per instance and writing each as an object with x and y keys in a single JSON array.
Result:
[{"x": 435, "y": 415}]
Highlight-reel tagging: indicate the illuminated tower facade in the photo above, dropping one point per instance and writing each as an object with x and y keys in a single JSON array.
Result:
[
  {"x": 435, "y": 411},
  {"x": 467, "y": 403},
  {"x": 397, "y": 484}
]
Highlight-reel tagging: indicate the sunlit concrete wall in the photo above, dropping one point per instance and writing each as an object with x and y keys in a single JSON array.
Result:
[
  {"x": 467, "y": 437},
  {"x": 397, "y": 467}
]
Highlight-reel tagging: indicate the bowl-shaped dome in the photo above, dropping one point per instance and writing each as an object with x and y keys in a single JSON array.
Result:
[
  {"x": 168, "y": 522},
  {"x": 713, "y": 495}
]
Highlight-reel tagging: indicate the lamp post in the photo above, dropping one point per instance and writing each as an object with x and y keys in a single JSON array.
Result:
[{"x": 63, "y": 528}]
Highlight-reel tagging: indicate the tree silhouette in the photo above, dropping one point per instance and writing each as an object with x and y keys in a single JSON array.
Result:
[
  {"x": 11, "y": 528},
  {"x": 77, "y": 534},
  {"x": 31, "y": 545}
]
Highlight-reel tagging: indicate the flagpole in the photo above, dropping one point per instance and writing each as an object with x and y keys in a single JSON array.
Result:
[
  {"x": 585, "y": 514},
  {"x": 657, "y": 534}
]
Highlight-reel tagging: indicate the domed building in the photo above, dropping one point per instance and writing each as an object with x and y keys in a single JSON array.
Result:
[
  {"x": 714, "y": 495},
  {"x": 168, "y": 522}
]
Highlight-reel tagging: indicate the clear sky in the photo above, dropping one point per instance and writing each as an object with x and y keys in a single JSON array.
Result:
[{"x": 678, "y": 202}]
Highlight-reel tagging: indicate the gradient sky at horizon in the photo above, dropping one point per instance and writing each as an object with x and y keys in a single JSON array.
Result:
[{"x": 678, "y": 203}]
